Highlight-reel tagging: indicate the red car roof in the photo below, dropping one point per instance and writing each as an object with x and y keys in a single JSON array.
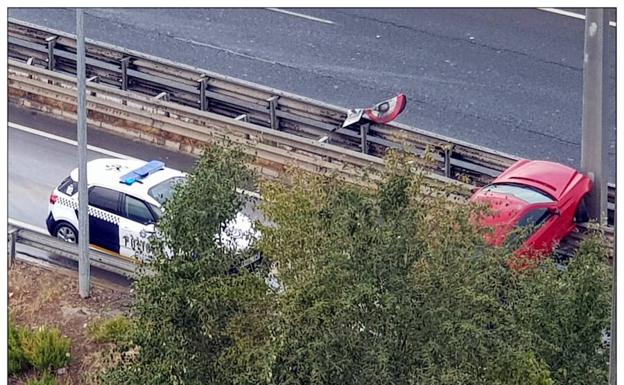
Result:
[{"x": 549, "y": 177}]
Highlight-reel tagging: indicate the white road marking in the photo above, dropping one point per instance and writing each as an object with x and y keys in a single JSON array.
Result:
[
  {"x": 570, "y": 14},
  {"x": 199, "y": 43},
  {"x": 301, "y": 15},
  {"x": 67, "y": 141},
  {"x": 104, "y": 151}
]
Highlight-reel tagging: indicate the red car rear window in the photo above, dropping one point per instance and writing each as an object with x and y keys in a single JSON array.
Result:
[{"x": 530, "y": 195}]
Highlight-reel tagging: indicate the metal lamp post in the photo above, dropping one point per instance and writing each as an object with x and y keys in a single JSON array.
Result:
[{"x": 84, "y": 270}]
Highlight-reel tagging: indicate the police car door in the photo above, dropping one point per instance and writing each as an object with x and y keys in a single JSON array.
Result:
[
  {"x": 104, "y": 210},
  {"x": 135, "y": 227}
]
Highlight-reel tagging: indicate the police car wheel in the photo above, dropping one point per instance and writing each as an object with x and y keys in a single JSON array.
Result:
[{"x": 67, "y": 233}]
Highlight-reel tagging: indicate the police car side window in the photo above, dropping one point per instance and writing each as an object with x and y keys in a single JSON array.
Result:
[
  {"x": 104, "y": 199},
  {"x": 136, "y": 210}
]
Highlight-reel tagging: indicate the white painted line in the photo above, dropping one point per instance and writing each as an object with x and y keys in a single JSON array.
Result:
[
  {"x": 67, "y": 141},
  {"x": 570, "y": 14},
  {"x": 301, "y": 15},
  {"x": 96, "y": 149},
  {"x": 199, "y": 43}
]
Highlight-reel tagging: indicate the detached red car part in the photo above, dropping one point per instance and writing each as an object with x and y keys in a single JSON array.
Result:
[{"x": 535, "y": 203}]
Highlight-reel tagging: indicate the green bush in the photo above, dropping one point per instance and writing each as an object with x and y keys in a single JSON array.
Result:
[
  {"x": 46, "y": 379},
  {"x": 45, "y": 348},
  {"x": 17, "y": 359},
  {"x": 117, "y": 329}
]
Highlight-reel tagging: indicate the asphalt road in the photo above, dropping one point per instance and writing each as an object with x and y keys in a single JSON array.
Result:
[{"x": 508, "y": 79}]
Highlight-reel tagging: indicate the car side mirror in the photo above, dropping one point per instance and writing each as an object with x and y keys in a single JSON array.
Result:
[{"x": 148, "y": 230}]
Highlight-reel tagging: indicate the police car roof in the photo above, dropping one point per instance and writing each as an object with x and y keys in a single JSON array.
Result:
[{"x": 107, "y": 173}]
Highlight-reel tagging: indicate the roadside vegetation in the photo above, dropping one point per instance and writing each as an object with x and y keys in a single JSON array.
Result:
[
  {"x": 43, "y": 349},
  {"x": 17, "y": 358},
  {"x": 45, "y": 379},
  {"x": 114, "y": 330},
  {"x": 382, "y": 286}
]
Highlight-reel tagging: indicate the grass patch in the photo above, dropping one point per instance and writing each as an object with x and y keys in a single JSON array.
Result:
[
  {"x": 45, "y": 379},
  {"x": 17, "y": 358},
  {"x": 117, "y": 330},
  {"x": 98, "y": 362},
  {"x": 45, "y": 348}
]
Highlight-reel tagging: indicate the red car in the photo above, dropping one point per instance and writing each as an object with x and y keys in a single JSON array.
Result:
[{"x": 534, "y": 203}]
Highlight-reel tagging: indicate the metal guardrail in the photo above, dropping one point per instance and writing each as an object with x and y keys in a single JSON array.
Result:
[
  {"x": 272, "y": 149},
  {"x": 20, "y": 233},
  {"x": 204, "y": 90},
  {"x": 169, "y": 123}
]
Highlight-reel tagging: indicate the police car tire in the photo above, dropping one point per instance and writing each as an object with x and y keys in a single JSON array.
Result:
[{"x": 62, "y": 225}]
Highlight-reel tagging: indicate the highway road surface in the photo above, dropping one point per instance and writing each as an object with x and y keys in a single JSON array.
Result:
[{"x": 508, "y": 79}]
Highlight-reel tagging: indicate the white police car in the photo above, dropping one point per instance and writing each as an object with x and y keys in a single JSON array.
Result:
[{"x": 125, "y": 202}]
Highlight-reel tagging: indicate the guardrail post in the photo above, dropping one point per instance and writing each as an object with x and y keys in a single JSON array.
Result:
[
  {"x": 447, "y": 161},
  {"x": 12, "y": 241},
  {"x": 124, "y": 73},
  {"x": 204, "y": 104},
  {"x": 272, "y": 108},
  {"x": 51, "y": 43},
  {"x": 363, "y": 137}
]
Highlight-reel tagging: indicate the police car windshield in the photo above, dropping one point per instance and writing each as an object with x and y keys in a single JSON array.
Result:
[
  {"x": 528, "y": 194},
  {"x": 163, "y": 191}
]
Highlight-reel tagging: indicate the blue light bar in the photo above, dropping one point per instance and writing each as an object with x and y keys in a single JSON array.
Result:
[{"x": 142, "y": 172}]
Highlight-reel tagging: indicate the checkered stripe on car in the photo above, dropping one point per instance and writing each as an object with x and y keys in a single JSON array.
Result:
[
  {"x": 94, "y": 212},
  {"x": 103, "y": 215},
  {"x": 63, "y": 201}
]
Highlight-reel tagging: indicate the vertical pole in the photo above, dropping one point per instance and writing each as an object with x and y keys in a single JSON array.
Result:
[
  {"x": 203, "y": 83},
  {"x": 613, "y": 346},
  {"x": 12, "y": 240},
  {"x": 609, "y": 37},
  {"x": 84, "y": 271},
  {"x": 51, "y": 43},
  {"x": 272, "y": 112},
  {"x": 593, "y": 141},
  {"x": 124, "y": 73},
  {"x": 447, "y": 162},
  {"x": 363, "y": 137}
]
